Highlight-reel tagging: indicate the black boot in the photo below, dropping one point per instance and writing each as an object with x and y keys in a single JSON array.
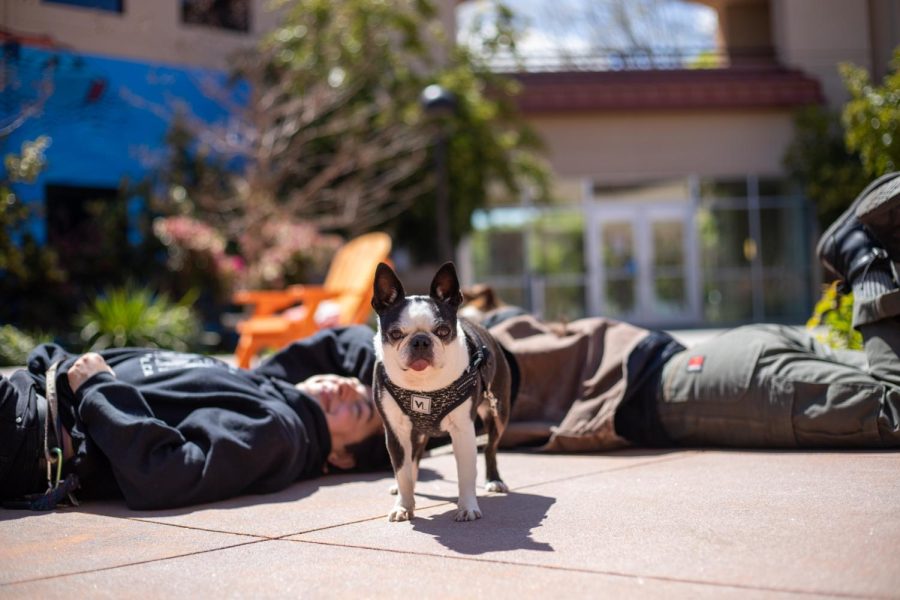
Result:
[{"x": 848, "y": 249}]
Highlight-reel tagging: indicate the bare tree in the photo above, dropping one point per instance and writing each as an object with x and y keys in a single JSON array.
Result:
[
  {"x": 322, "y": 144},
  {"x": 327, "y": 127}
]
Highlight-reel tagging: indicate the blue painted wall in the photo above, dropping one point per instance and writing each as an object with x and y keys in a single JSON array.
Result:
[{"x": 107, "y": 117}]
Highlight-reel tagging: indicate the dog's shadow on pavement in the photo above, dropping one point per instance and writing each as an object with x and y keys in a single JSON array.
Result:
[{"x": 508, "y": 523}]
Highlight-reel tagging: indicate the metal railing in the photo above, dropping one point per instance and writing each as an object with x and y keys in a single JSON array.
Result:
[{"x": 632, "y": 59}]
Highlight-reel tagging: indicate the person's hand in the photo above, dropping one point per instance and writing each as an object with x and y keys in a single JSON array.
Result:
[{"x": 86, "y": 367}]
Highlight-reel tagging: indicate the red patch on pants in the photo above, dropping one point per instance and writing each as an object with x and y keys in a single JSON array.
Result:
[{"x": 695, "y": 363}]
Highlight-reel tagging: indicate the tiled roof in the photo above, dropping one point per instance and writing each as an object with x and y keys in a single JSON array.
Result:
[{"x": 736, "y": 88}]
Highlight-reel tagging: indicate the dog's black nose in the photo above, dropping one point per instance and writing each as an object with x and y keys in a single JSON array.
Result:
[{"x": 420, "y": 341}]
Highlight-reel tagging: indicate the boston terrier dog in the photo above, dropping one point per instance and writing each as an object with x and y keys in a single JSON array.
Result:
[{"x": 434, "y": 372}]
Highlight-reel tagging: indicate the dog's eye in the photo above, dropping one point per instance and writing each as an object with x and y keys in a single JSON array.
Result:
[
  {"x": 395, "y": 334},
  {"x": 442, "y": 331}
]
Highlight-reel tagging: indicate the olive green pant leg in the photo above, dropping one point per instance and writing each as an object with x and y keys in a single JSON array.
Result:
[{"x": 775, "y": 386}]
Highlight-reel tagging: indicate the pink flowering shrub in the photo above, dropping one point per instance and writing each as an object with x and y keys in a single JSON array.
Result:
[
  {"x": 274, "y": 255},
  {"x": 286, "y": 253},
  {"x": 196, "y": 252}
]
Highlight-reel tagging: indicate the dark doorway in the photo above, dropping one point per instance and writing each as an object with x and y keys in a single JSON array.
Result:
[
  {"x": 73, "y": 209},
  {"x": 87, "y": 227}
]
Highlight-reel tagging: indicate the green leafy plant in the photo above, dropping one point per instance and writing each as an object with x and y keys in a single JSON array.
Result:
[
  {"x": 31, "y": 278},
  {"x": 832, "y": 320},
  {"x": 834, "y": 159},
  {"x": 15, "y": 345},
  {"x": 818, "y": 159},
  {"x": 132, "y": 316},
  {"x": 872, "y": 117}
]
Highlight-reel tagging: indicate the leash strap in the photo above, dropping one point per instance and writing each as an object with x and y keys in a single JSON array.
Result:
[
  {"x": 51, "y": 415},
  {"x": 59, "y": 491}
]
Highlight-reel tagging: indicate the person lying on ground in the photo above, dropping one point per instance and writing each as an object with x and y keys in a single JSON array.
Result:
[{"x": 166, "y": 429}]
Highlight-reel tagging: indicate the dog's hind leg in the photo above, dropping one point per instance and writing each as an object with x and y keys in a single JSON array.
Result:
[{"x": 494, "y": 427}]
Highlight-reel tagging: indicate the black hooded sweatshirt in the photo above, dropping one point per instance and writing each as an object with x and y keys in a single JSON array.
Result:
[{"x": 173, "y": 429}]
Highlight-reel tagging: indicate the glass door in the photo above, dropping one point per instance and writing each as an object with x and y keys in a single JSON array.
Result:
[{"x": 642, "y": 263}]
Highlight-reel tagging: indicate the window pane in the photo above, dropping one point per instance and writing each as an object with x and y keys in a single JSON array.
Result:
[
  {"x": 775, "y": 187},
  {"x": 619, "y": 261},
  {"x": 785, "y": 297},
  {"x": 557, "y": 246},
  {"x": 786, "y": 257},
  {"x": 728, "y": 297},
  {"x": 108, "y": 5},
  {"x": 511, "y": 294},
  {"x": 725, "y": 255},
  {"x": 724, "y": 235},
  {"x": 723, "y": 188},
  {"x": 564, "y": 302},
  {"x": 224, "y": 14},
  {"x": 497, "y": 252},
  {"x": 783, "y": 243},
  {"x": 668, "y": 244},
  {"x": 669, "y": 290}
]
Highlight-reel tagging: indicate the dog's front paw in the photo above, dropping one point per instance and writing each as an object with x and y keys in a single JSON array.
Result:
[
  {"x": 467, "y": 514},
  {"x": 400, "y": 513},
  {"x": 496, "y": 486},
  {"x": 468, "y": 511}
]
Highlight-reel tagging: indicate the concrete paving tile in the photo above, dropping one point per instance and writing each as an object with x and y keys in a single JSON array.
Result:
[
  {"x": 305, "y": 506},
  {"x": 522, "y": 469},
  {"x": 284, "y": 569},
  {"x": 341, "y": 499},
  {"x": 810, "y": 523},
  {"x": 38, "y": 545}
]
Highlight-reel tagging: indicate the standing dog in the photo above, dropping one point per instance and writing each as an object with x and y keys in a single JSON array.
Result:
[{"x": 434, "y": 373}]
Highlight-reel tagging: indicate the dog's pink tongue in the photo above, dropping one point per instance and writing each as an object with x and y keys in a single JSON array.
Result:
[{"x": 419, "y": 364}]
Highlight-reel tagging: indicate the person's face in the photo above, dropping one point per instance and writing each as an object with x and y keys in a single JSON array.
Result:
[{"x": 349, "y": 412}]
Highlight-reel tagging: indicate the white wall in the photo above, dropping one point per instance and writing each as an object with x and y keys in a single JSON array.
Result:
[
  {"x": 148, "y": 30},
  {"x": 625, "y": 147}
]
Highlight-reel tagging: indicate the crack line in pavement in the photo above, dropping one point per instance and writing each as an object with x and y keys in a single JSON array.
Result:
[
  {"x": 679, "y": 456},
  {"x": 257, "y": 536},
  {"x": 662, "y": 578}
]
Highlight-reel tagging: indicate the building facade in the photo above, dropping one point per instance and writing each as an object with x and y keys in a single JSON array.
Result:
[{"x": 673, "y": 207}]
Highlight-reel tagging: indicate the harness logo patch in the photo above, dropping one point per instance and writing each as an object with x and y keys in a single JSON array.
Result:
[
  {"x": 695, "y": 363},
  {"x": 420, "y": 404}
]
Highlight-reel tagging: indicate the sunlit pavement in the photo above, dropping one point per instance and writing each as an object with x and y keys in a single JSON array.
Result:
[
  {"x": 682, "y": 524},
  {"x": 675, "y": 524}
]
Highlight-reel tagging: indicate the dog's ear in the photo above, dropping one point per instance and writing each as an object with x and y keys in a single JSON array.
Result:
[
  {"x": 445, "y": 286},
  {"x": 387, "y": 289}
]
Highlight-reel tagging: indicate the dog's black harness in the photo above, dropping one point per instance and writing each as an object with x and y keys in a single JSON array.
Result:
[{"x": 426, "y": 409}]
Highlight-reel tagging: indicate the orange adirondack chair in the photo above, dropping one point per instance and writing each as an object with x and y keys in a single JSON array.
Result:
[{"x": 283, "y": 316}]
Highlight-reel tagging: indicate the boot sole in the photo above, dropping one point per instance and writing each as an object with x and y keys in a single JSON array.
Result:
[{"x": 850, "y": 213}]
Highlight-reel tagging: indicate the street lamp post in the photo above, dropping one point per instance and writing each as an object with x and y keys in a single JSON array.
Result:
[{"x": 438, "y": 104}]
